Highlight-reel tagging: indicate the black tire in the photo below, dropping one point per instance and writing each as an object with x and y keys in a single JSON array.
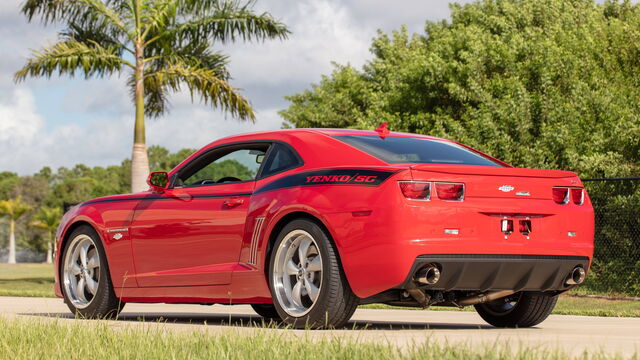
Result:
[
  {"x": 335, "y": 303},
  {"x": 267, "y": 311},
  {"x": 104, "y": 304},
  {"x": 524, "y": 309}
]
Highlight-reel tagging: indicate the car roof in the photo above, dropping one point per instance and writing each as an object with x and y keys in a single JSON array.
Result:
[
  {"x": 355, "y": 132},
  {"x": 331, "y": 132}
]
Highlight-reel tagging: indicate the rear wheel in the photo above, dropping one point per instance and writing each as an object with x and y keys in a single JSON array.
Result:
[
  {"x": 523, "y": 309},
  {"x": 306, "y": 281},
  {"x": 86, "y": 284}
]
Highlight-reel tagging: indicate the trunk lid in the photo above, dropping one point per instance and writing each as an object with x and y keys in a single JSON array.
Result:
[{"x": 498, "y": 182}]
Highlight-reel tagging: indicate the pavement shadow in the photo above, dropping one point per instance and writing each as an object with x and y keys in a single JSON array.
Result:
[{"x": 255, "y": 321}]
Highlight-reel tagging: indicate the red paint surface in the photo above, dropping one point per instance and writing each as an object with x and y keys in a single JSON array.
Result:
[{"x": 181, "y": 247}]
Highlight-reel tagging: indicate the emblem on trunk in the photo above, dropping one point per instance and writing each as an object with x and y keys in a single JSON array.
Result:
[
  {"x": 523, "y": 193},
  {"x": 506, "y": 188}
]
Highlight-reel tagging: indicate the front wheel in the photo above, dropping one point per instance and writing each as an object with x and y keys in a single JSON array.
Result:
[
  {"x": 524, "y": 309},
  {"x": 306, "y": 281},
  {"x": 86, "y": 284}
]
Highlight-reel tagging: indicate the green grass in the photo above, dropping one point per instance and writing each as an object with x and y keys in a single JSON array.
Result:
[
  {"x": 26, "y": 280},
  {"x": 570, "y": 305},
  {"x": 54, "y": 340},
  {"x": 37, "y": 280}
]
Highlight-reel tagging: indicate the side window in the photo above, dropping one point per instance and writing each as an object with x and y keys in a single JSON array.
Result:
[
  {"x": 235, "y": 165},
  {"x": 281, "y": 158}
]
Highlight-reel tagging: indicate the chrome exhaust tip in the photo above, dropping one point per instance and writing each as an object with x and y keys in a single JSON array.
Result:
[
  {"x": 576, "y": 276},
  {"x": 428, "y": 275}
]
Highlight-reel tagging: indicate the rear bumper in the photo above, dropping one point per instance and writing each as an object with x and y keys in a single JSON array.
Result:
[{"x": 472, "y": 272}]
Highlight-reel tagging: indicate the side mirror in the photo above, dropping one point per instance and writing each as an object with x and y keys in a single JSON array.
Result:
[
  {"x": 158, "y": 180},
  {"x": 259, "y": 158}
]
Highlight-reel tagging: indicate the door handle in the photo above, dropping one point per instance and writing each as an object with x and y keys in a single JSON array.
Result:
[{"x": 233, "y": 202}]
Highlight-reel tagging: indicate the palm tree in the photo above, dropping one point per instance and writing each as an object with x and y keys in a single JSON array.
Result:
[
  {"x": 14, "y": 209},
  {"x": 164, "y": 45},
  {"x": 48, "y": 220}
]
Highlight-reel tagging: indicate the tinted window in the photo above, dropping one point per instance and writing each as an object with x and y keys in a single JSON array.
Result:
[
  {"x": 224, "y": 166},
  {"x": 281, "y": 158},
  {"x": 416, "y": 150}
]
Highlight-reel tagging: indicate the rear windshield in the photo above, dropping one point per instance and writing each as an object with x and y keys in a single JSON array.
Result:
[{"x": 399, "y": 150}]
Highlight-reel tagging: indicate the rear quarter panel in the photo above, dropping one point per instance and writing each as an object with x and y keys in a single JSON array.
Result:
[{"x": 377, "y": 250}]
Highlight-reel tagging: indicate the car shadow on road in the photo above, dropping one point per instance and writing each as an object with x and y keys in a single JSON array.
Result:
[{"x": 255, "y": 321}]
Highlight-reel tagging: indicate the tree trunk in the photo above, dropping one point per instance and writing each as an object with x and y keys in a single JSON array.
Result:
[
  {"x": 12, "y": 242},
  {"x": 49, "y": 247},
  {"x": 139, "y": 159},
  {"x": 139, "y": 168}
]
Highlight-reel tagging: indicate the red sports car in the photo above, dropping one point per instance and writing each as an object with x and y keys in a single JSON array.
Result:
[{"x": 307, "y": 224}]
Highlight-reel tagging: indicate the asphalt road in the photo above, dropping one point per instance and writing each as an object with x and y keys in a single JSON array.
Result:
[{"x": 573, "y": 334}]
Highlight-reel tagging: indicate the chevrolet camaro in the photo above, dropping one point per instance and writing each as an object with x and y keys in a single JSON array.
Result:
[{"x": 307, "y": 224}]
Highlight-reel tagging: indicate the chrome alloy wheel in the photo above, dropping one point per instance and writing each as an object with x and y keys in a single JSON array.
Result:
[
  {"x": 297, "y": 273},
  {"x": 81, "y": 271}
]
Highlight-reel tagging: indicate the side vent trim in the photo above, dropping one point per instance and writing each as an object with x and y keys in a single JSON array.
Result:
[{"x": 255, "y": 238}]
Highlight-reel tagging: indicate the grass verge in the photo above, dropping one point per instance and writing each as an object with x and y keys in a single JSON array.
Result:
[
  {"x": 52, "y": 340},
  {"x": 26, "y": 280},
  {"x": 37, "y": 280}
]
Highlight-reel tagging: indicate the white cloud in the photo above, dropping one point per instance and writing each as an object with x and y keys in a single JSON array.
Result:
[
  {"x": 27, "y": 144},
  {"x": 19, "y": 121},
  {"x": 322, "y": 31}
]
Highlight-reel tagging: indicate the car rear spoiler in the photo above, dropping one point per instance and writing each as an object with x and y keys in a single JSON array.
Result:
[{"x": 493, "y": 171}]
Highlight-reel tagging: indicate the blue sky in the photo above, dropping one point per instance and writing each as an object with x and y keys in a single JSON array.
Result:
[{"x": 63, "y": 121}]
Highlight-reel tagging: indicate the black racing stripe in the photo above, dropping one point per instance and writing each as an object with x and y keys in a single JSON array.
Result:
[
  {"x": 157, "y": 197},
  {"x": 341, "y": 177}
]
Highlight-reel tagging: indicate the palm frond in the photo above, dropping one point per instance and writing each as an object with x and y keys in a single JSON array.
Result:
[
  {"x": 225, "y": 21},
  {"x": 14, "y": 208},
  {"x": 198, "y": 54},
  {"x": 80, "y": 12},
  {"x": 91, "y": 34},
  {"x": 158, "y": 16},
  {"x": 49, "y": 10},
  {"x": 68, "y": 57},
  {"x": 204, "y": 83},
  {"x": 156, "y": 100},
  {"x": 47, "y": 218},
  {"x": 192, "y": 55},
  {"x": 98, "y": 11}
]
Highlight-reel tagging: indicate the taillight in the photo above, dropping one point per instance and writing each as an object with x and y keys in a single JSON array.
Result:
[
  {"x": 450, "y": 191},
  {"x": 561, "y": 195},
  {"x": 577, "y": 195},
  {"x": 416, "y": 190}
]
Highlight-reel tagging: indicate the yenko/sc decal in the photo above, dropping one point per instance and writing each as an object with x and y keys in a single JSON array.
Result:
[
  {"x": 357, "y": 177},
  {"x": 345, "y": 179}
]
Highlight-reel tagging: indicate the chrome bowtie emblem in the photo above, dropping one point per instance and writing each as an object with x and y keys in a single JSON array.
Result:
[
  {"x": 506, "y": 188},
  {"x": 117, "y": 236}
]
